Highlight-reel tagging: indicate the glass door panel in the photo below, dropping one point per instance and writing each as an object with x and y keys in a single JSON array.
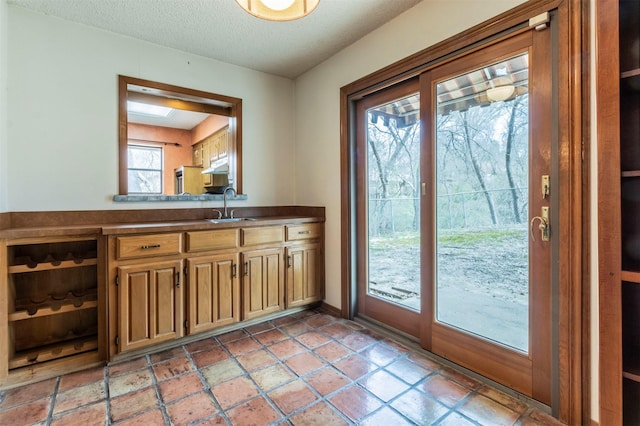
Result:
[
  {"x": 482, "y": 175},
  {"x": 393, "y": 163}
]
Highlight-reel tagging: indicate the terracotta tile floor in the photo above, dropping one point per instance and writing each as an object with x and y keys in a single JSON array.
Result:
[{"x": 308, "y": 368}]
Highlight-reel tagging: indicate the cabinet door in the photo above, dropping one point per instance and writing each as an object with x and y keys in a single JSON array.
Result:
[
  {"x": 206, "y": 161},
  {"x": 304, "y": 274},
  {"x": 263, "y": 282},
  {"x": 150, "y": 304},
  {"x": 223, "y": 143},
  {"x": 197, "y": 154},
  {"x": 214, "y": 148},
  {"x": 213, "y": 292}
]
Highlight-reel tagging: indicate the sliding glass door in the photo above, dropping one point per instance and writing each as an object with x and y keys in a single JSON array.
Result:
[{"x": 454, "y": 211}]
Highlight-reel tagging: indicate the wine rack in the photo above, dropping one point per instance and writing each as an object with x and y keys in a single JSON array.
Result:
[{"x": 52, "y": 299}]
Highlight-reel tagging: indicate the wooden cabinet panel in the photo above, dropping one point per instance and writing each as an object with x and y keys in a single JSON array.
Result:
[
  {"x": 213, "y": 292},
  {"x": 304, "y": 274},
  {"x": 137, "y": 246},
  {"x": 263, "y": 235},
  {"x": 212, "y": 240},
  {"x": 150, "y": 304},
  {"x": 263, "y": 282}
]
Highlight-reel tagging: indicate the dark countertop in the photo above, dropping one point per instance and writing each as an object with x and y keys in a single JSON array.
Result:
[{"x": 148, "y": 227}]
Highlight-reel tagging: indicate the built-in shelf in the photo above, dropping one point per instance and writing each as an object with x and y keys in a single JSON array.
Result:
[
  {"x": 53, "y": 309},
  {"x": 17, "y": 269},
  {"x": 630, "y": 276},
  {"x": 632, "y": 374},
  {"x": 54, "y": 351},
  {"x": 631, "y": 173},
  {"x": 630, "y": 73}
]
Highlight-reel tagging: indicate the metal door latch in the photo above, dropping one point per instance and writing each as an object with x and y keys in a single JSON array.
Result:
[
  {"x": 545, "y": 186},
  {"x": 543, "y": 226}
]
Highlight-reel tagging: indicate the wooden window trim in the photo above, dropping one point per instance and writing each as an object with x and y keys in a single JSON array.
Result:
[{"x": 571, "y": 399}]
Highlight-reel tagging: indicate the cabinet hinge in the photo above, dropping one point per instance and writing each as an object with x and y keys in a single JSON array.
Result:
[
  {"x": 117, "y": 340},
  {"x": 186, "y": 323},
  {"x": 117, "y": 280}
]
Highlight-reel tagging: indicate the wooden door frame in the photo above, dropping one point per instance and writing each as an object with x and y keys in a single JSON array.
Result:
[{"x": 572, "y": 334}]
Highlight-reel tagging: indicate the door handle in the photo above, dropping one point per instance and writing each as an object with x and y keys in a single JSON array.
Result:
[{"x": 543, "y": 226}]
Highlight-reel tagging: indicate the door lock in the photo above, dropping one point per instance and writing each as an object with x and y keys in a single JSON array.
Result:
[
  {"x": 545, "y": 186},
  {"x": 543, "y": 226}
]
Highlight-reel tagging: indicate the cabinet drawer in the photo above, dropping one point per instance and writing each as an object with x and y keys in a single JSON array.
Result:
[
  {"x": 212, "y": 240},
  {"x": 265, "y": 235},
  {"x": 148, "y": 245},
  {"x": 306, "y": 231}
]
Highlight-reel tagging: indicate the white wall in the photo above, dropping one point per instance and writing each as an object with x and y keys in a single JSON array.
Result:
[
  {"x": 3, "y": 106},
  {"x": 318, "y": 102},
  {"x": 62, "y": 115}
]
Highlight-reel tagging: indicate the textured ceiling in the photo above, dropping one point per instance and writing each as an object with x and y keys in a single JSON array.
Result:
[{"x": 220, "y": 29}]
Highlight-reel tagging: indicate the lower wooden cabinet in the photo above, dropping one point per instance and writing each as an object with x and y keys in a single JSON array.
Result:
[
  {"x": 149, "y": 304},
  {"x": 213, "y": 292},
  {"x": 304, "y": 274},
  {"x": 262, "y": 282},
  {"x": 163, "y": 286}
]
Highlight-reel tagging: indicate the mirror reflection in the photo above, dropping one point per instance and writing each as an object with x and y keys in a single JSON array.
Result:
[{"x": 175, "y": 140}]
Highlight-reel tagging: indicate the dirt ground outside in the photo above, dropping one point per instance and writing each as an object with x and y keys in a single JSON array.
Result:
[{"x": 482, "y": 277}]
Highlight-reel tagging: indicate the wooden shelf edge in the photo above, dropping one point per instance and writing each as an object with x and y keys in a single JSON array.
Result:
[
  {"x": 629, "y": 276},
  {"x": 47, "y": 370},
  {"x": 17, "y": 269},
  {"x": 631, "y": 173},
  {"x": 630, "y": 73},
  {"x": 52, "y": 352},
  {"x": 43, "y": 312},
  {"x": 632, "y": 375}
]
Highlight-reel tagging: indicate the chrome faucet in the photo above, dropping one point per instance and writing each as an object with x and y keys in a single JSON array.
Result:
[{"x": 224, "y": 200}]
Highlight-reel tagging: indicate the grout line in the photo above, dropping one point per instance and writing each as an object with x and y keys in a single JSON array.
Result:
[
  {"x": 53, "y": 402},
  {"x": 107, "y": 394},
  {"x": 156, "y": 388}
]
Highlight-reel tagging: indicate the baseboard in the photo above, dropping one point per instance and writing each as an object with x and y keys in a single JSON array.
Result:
[{"x": 331, "y": 310}]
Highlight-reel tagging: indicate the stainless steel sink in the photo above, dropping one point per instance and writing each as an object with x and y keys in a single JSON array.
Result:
[{"x": 229, "y": 219}]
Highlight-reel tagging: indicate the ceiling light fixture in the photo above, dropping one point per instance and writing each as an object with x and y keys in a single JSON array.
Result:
[
  {"x": 501, "y": 89},
  {"x": 500, "y": 93},
  {"x": 279, "y": 10}
]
